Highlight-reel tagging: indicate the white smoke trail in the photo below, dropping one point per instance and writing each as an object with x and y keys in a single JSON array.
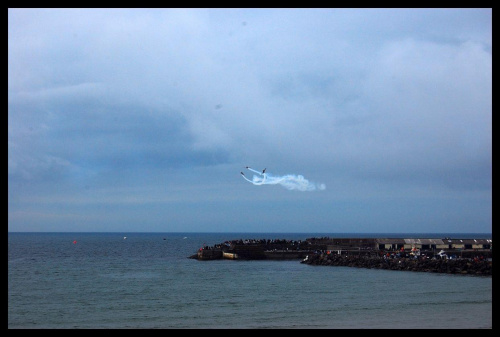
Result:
[{"x": 289, "y": 181}]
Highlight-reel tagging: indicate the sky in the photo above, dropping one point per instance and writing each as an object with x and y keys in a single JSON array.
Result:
[{"x": 141, "y": 120}]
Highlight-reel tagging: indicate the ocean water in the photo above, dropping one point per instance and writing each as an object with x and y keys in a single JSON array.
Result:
[{"x": 147, "y": 281}]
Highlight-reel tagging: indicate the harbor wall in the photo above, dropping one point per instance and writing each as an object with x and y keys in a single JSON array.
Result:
[
  {"x": 472, "y": 256},
  {"x": 475, "y": 266}
]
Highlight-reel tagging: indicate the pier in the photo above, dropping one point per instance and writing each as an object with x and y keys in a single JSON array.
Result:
[{"x": 447, "y": 255}]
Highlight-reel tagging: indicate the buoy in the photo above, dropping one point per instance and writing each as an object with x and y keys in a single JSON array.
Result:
[{"x": 74, "y": 241}]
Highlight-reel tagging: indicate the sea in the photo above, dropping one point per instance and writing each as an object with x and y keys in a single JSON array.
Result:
[{"x": 148, "y": 281}]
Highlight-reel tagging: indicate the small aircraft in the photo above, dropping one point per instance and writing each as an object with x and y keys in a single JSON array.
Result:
[
  {"x": 258, "y": 172},
  {"x": 242, "y": 173}
]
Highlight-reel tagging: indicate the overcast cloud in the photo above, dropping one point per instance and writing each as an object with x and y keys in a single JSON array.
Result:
[{"x": 142, "y": 119}]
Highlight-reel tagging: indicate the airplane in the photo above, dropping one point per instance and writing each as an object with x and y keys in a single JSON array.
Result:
[
  {"x": 248, "y": 167},
  {"x": 242, "y": 173}
]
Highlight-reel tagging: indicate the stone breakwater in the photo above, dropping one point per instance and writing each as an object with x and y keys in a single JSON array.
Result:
[
  {"x": 480, "y": 267},
  {"x": 451, "y": 256}
]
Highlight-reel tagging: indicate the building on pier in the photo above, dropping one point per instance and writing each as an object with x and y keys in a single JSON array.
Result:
[{"x": 401, "y": 243}]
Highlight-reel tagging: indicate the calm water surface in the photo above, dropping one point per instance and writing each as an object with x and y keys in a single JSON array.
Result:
[{"x": 147, "y": 281}]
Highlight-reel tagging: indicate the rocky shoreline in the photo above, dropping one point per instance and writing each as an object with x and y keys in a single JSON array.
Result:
[
  {"x": 476, "y": 266},
  {"x": 457, "y": 256}
]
